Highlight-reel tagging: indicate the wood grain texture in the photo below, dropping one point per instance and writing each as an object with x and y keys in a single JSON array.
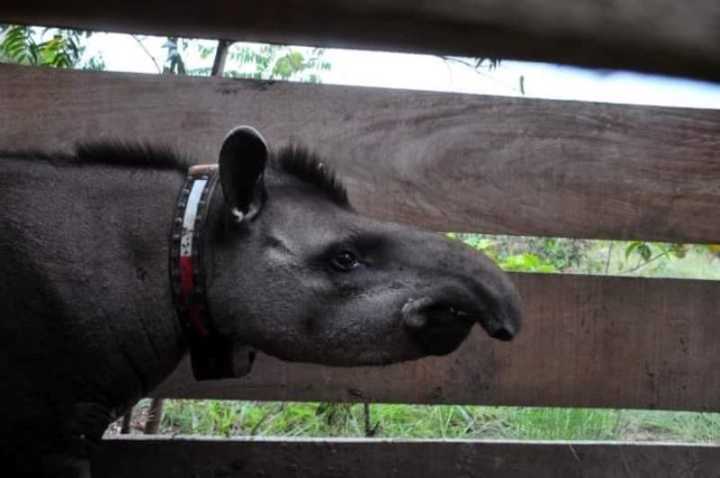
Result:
[
  {"x": 313, "y": 458},
  {"x": 447, "y": 162},
  {"x": 681, "y": 38},
  {"x": 586, "y": 342}
]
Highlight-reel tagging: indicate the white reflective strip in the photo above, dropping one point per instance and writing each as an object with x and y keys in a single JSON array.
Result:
[{"x": 191, "y": 210}]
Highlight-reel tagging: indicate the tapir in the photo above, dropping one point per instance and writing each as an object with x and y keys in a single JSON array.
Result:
[{"x": 117, "y": 260}]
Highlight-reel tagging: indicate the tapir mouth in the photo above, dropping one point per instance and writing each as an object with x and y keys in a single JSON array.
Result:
[
  {"x": 495, "y": 327},
  {"x": 443, "y": 321}
]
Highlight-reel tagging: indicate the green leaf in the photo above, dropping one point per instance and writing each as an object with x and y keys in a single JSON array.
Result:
[
  {"x": 645, "y": 251},
  {"x": 679, "y": 250},
  {"x": 631, "y": 247},
  {"x": 23, "y": 45},
  {"x": 526, "y": 263}
]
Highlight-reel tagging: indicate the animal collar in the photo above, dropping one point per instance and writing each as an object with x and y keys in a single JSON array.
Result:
[{"x": 212, "y": 355}]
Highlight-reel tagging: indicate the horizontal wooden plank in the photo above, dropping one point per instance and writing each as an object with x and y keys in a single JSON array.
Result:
[
  {"x": 448, "y": 162},
  {"x": 187, "y": 457},
  {"x": 587, "y": 342},
  {"x": 652, "y": 35}
]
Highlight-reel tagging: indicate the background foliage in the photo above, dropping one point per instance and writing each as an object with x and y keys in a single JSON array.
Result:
[{"x": 53, "y": 47}]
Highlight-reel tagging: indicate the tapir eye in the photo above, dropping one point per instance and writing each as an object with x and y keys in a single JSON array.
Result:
[{"x": 345, "y": 261}]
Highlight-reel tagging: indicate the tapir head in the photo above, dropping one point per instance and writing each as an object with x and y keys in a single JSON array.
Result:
[{"x": 298, "y": 274}]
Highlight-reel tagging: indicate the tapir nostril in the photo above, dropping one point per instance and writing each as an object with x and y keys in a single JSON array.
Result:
[
  {"x": 503, "y": 334},
  {"x": 436, "y": 326},
  {"x": 413, "y": 313}
]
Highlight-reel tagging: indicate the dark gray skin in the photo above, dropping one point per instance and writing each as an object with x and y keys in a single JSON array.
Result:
[{"x": 88, "y": 324}]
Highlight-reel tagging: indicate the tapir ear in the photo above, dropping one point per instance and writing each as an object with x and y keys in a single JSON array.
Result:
[{"x": 243, "y": 156}]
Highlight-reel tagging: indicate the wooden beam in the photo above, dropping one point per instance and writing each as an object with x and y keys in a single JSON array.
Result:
[
  {"x": 447, "y": 162},
  {"x": 677, "y": 38},
  {"x": 587, "y": 342},
  {"x": 185, "y": 457}
]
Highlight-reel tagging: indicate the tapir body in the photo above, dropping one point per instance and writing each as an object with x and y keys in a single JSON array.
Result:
[{"x": 88, "y": 321}]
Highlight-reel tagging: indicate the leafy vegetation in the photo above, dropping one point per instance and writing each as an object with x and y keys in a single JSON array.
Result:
[
  {"x": 51, "y": 47},
  {"x": 581, "y": 256},
  {"x": 271, "y": 62},
  {"x": 64, "y": 48}
]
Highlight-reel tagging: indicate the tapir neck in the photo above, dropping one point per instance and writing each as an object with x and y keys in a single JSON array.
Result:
[
  {"x": 158, "y": 316},
  {"x": 135, "y": 230},
  {"x": 90, "y": 286}
]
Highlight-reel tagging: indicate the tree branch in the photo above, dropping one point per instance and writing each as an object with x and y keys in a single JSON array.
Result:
[
  {"x": 652, "y": 259},
  {"x": 147, "y": 52},
  {"x": 155, "y": 413},
  {"x": 221, "y": 53},
  {"x": 609, "y": 257}
]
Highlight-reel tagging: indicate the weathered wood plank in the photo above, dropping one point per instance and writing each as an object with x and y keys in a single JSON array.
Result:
[
  {"x": 654, "y": 35},
  {"x": 587, "y": 342},
  {"x": 441, "y": 161},
  {"x": 310, "y": 458}
]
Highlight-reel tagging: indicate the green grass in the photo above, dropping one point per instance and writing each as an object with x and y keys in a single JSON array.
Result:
[{"x": 234, "y": 418}]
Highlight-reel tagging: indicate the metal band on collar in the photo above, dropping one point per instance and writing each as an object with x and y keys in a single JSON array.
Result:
[{"x": 212, "y": 355}]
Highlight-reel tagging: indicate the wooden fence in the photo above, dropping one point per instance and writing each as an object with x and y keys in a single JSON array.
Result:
[
  {"x": 444, "y": 162},
  {"x": 654, "y": 35}
]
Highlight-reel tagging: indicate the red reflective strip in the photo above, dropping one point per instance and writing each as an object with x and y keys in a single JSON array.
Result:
[
  {"x": 193, "y": 312},
  {"x": 186, "y": 278}
]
